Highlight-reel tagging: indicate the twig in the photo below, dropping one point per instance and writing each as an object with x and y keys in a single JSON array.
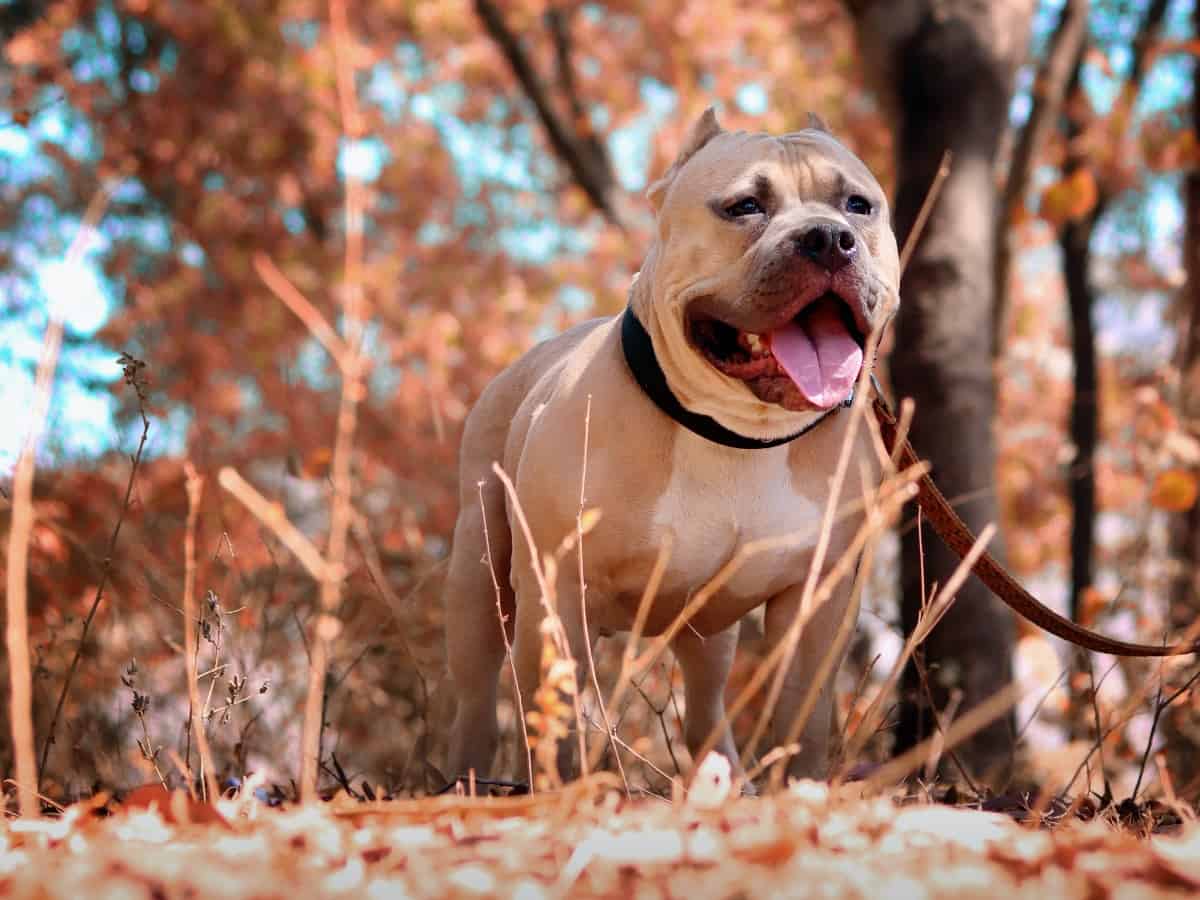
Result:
[
  {"x": 549, "y": 603},
  {"x": 305, "y": 311},
  {"x": 930, "y": 615},
  {"x": 660, "y": 714},
  {"x": 500, "y": 620},
  {"x": 935, "y": 188},
  {"x": 629, "y": 660},
  {"x": 195, "y": 488},
  {"x": 133, "y": 375},
  {"x": 273, "y": 517},
  {"x": 1096, "y": 714},
  {"x": 591, "y": 662},
  {"x": 979, "y": 716},
  {"x": 1159, "y": 706}
]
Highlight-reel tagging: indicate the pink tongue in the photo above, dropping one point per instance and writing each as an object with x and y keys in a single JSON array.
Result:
[{"x": 819, "y": 355}]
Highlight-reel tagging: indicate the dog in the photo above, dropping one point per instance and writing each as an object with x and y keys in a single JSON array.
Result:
[{"x": 715, "y": 410}]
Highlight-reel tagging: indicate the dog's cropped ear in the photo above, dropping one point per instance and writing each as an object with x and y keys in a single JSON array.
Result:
[{"x": 706, "y": 128}]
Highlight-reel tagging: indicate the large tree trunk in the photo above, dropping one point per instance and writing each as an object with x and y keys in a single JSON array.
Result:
[{"x": 946, "y": 68}]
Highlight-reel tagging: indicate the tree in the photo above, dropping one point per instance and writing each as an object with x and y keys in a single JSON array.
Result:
[
  {"x": 1086, "y": 191},
  {"x": 946, "y": 72}
]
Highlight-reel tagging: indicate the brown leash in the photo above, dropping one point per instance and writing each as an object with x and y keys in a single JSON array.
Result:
[{"x": 959, "y": 538}]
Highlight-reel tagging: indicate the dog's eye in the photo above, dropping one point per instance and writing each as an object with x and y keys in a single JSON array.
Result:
[
  {"x": 747, "y": 206},
  {"x": 858, "y": 205}
]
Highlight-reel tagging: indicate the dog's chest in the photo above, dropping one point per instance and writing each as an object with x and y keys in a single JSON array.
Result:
[{"x": 718, "y": 501}]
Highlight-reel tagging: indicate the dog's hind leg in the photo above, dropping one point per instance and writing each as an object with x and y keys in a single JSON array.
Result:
[{"x": 475, "y": 641}]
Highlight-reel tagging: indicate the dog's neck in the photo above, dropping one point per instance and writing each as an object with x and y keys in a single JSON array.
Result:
[{"x": 643, "y": 364}]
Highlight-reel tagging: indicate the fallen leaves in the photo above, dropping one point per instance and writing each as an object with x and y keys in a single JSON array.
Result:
[{"x": 588, "y": 840}]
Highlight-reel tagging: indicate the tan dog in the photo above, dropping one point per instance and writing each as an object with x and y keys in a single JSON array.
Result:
[{"x": 773, "y": 260}]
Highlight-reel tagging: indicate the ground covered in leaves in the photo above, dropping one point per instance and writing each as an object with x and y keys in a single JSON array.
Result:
[{"x": 588, "y": 840}]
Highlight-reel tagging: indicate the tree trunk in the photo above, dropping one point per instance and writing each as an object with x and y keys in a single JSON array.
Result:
[
  {"x": 1075, "y": 240},
  {"x": 1185, "y": 533},
  {"x": 1181, "y": 725},
  {"x": 947, "y": 70}
]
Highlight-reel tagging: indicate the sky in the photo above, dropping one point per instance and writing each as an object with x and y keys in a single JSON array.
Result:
[{"x": 82, "y": 422}]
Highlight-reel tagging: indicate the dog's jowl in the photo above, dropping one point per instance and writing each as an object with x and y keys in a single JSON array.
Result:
[{"x": 716, "y": 405}]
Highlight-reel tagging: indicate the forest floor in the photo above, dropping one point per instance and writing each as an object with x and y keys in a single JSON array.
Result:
[{"x": 590, "y": 840}]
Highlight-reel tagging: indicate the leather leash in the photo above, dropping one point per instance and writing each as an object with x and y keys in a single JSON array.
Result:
[{"x": 959, "y": 538}]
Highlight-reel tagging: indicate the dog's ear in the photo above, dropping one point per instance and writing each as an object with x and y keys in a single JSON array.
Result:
[
  {"x": 706, "y": 128},
  {"x": 816, "y": 123}
]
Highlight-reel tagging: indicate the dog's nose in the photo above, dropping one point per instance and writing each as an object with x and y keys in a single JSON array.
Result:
[{"x": 828, "y": 244}]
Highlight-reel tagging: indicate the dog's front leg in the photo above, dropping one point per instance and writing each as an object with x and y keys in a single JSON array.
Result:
[
  {"x": 706, "y": 663},
  {"x": 817, "y": 636}
]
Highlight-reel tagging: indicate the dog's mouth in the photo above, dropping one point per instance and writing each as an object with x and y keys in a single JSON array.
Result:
[{"x": 810, "y": 361}]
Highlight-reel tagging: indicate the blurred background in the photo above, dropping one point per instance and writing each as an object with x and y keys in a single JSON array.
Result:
[{"x": 499, "y": 148}]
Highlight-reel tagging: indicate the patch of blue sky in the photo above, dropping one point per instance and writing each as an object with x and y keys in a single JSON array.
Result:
[
  {"x": 302, "y": 32},
  {"x": 630, "y": 146},
  {"x": 575, "y": 299},
  {"x": 752, "y": 99},
  {"x": 312, "y": 363},
  {"x": 1134, "y": 329},
  {"x": 75, "y": 292},
  {"x": 192, "y": 254},
  {"x": 537, "y": 242},
  {"x": 384, "y": 377},
  {"x": 385, "y": 89},
  {"x": 293, "y": 220},
  {"x": 362, "y": 158},
  {"x": 143, "y": 81}
]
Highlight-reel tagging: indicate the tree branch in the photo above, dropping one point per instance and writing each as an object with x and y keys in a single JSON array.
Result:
[
  {"x": 1049, "y": 89},
  {"x": 1075, "y": 239},
  {"x": 580, "y": 152}
]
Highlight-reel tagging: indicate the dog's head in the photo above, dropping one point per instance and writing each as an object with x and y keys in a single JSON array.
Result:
[{"x": 774, "y": 259}]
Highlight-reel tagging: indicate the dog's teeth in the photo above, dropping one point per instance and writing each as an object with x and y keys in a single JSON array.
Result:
[{"x": 755, "y": 342}]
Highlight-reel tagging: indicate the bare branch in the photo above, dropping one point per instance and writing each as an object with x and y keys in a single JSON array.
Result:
[
  {"x": 305, "y": 311},
  {"x": 272, "y": 515},
  {"x": 1049, "y": 89},
  {"x": 581, "y": 153}
]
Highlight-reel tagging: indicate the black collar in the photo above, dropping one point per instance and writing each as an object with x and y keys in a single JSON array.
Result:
[{"x": 639, "y": 354}]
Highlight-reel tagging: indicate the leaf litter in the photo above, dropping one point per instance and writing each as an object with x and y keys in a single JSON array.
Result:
[{"x": 587, "y": 840}]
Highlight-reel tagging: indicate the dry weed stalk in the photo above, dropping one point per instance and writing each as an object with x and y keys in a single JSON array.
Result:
[
  {"x": 327, "y": 568},
  {"x": 134, "y": 376},
  {"x": 559, "y": 667},
  {"x": 969, "y": 723},
  {"x": 591, "y": 661},
  {"x": 191, "y": 649},
  {"x": 500, "y": 617},
  {"x": 931, "y": 613},
  {"x": 16, "y": 634}
]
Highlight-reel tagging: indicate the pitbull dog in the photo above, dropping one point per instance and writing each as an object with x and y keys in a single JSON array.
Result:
[{"x": 715, "y": 419}]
